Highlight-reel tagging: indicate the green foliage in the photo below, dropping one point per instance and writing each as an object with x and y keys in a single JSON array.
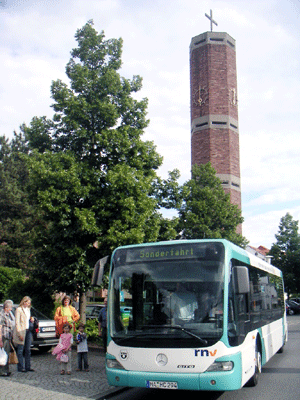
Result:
[
  {"x": 97, "y": 118},
  {"x": 36, "y": 290},
  {"x": 17, "y": 215},
  {"x": 9, "y": 279},
  {"x": 286, "y": 252},
  {"x": 167, "y": 191},
  {"x": 37, "y": 134},
  {"x": 206, "y": 211}
]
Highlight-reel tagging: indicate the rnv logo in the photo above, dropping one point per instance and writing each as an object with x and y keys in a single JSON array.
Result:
[{"x": 205, "y": 353}]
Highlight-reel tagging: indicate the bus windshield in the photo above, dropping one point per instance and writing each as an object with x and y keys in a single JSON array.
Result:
[{"x": 167, "y": 295}]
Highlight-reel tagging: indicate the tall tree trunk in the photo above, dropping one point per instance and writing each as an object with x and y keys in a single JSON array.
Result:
[{"x": 82, "y": 307}]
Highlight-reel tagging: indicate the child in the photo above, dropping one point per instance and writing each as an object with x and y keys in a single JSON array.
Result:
[
  {"x": 82, "y": 349},
  {"x": 63, "y": 350}
]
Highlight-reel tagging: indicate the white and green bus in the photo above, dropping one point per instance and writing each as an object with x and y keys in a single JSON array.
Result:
[{"x": 201, "y": 315}]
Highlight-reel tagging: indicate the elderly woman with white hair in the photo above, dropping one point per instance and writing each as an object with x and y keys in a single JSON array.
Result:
[{"x": 7, "y": 324}]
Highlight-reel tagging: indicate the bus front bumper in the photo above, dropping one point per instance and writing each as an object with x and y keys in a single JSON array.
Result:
[{"x": 218, "y": 381}]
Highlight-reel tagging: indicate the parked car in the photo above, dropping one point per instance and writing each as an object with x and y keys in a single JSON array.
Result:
[
  {"x": 295, "y": 299},
  {"x": 45, "y": 336},
  {"x": 92, "y": 310},
  {"x": 292, "y": 307}
]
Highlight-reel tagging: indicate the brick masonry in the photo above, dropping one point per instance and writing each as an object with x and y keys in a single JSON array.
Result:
[{"x": 214, "y": 108}]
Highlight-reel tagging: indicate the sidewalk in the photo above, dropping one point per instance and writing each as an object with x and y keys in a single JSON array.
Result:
[{"x": 47, "y": 383}]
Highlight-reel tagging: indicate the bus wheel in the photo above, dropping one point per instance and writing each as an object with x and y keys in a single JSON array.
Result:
[
  {"x": 253, "y": 381},
  {"x": 282, "y": 347}
]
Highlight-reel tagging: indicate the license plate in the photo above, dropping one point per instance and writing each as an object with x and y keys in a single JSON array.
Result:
[
  {"x": 49, "y": 329},
  {"x": 162, "y": 385}
]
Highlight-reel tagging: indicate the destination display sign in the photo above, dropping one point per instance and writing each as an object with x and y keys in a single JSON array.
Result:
[{"x": 173, "y": 252}]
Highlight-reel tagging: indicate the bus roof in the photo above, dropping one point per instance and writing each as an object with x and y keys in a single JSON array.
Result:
[{"x": 236, "y": 251}]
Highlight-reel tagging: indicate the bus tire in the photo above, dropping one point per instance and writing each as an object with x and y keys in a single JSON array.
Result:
[
  {"x": 253, "y": 381},
  {"x": 280, "y": 351}
]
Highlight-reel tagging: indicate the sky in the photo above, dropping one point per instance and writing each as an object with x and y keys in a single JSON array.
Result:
[{"x": 36, "y": 37}]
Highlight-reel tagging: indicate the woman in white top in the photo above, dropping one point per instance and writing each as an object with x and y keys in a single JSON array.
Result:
[{"x": 22, "y": 335}]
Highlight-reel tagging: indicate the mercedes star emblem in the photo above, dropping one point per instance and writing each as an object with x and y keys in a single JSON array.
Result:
[{"x": 161, "y": 360}]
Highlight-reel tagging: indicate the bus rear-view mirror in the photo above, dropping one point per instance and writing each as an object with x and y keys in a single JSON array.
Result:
[{"x": 98, "y": 272}]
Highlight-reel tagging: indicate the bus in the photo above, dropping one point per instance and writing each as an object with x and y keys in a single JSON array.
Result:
[{"x": 201, "y": 315}]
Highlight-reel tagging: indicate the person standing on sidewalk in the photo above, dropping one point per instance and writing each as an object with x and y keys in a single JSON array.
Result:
[
  {"x": 66, "y": 341},
  {"x": 7, "y": 323},
  {"x": 65, "y": 314},
  {"x": 22, "y": 335},
  {"x": 102, "y": 325},
  {"x": 82, "y": 349}
]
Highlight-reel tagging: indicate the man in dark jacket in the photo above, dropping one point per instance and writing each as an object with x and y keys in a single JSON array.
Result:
[{"x": 102, "y": 325}]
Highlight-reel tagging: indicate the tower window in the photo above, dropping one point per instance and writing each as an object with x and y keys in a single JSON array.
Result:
[
  {"x": 200, "y": 41},
  {"x": 203, "y": 124},
  {"x": 219, "y": 123}
]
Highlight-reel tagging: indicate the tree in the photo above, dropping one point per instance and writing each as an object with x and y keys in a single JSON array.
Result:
[
  {"x": 97, "y": 118},
  {"x": 286, "y": 252},
  {"x": 17, "y": 215},
  {"x": 38, "y": 134},
  {"x": 206, "y": 211},
  {"x": 90, "y": 173}
]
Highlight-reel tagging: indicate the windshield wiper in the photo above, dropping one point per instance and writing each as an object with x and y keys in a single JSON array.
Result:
[{"x": 177, "y": 327}]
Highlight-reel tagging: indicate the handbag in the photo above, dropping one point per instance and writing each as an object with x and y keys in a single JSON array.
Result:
[
  {"x": 3, "y": 356},
  {"x": 12, "y": 357},
  {"x": 64, "y": 358},
  {"x": 34, "y": 327}
]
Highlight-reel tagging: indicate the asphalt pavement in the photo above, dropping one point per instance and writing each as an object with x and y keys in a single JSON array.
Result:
[{"x": 47, "y": 383}]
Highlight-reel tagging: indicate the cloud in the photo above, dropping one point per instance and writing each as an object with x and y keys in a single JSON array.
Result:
[
  {"x": 26, "y": 90},
  {"x": 262, "y": 227},
  {"x": 268, "y": 160},
  {"x": 275, "y": 196}
]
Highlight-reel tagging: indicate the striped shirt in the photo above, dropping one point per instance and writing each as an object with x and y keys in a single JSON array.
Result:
[{"x": 7, "y": 321}]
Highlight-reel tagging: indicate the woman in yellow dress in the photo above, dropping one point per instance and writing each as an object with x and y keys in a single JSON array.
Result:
[{"x": 65, "y": 313}]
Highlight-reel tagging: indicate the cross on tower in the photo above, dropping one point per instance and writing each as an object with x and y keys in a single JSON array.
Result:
[{"x": 210, "y": 17}]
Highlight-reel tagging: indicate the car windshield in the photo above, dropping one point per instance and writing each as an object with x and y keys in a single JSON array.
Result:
[
  {"x": 175, "y": 293},
  {"x": 93, "y": 310},
  {"x": 37, "y": 314},
  {"x": 33, "y": 311}
]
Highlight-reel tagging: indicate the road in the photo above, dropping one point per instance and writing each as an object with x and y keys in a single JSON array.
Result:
[{"x": 280, "y": 378}]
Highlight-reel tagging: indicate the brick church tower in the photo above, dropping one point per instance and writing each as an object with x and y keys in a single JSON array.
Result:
[{"x": 214, "y": 108}]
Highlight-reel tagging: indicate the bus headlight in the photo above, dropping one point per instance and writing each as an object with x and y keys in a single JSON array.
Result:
[
  {"x": 113, "y": 364},
  {"x": 220, "y": 366}
]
